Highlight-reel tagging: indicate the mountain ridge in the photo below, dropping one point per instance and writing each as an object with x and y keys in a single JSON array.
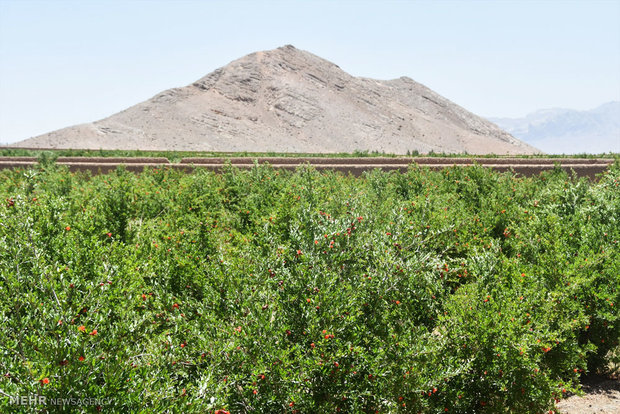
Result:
[
  {"x": 563, "y": 130},
  {"x": 289, "y": 100}
]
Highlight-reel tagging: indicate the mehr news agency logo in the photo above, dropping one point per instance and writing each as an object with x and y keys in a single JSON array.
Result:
[{"x": 34, "y": 399}]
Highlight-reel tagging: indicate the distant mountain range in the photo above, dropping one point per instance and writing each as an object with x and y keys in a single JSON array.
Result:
[{"x": 567, "y": 131}]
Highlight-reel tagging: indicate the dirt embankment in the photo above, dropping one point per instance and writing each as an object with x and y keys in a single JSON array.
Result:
[{"x": 356, "y": 166}]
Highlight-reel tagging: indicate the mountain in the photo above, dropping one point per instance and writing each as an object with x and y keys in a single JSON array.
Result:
[
  {"x": 289, "y": 100},
  {"x": 568, "y": 131}
]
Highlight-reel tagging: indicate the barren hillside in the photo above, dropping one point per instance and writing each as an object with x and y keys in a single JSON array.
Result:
[{"x": 289, "y": 100}]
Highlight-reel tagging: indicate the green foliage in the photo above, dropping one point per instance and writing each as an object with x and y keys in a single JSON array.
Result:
[
  {"x": 46, "y": 155},
  {"x": 264, "y": 290}
]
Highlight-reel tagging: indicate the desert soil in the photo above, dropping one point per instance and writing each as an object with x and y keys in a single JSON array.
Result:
[{"x": 602, "y": 396}]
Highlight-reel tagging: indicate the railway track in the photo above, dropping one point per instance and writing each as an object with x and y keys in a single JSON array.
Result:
[{"x": 583, "y": 167}]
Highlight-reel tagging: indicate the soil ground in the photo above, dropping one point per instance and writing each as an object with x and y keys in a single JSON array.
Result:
[{"x": 602, "y": 396}]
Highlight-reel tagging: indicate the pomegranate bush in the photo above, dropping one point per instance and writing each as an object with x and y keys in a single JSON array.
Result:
[{"x": 457, "y": 291}]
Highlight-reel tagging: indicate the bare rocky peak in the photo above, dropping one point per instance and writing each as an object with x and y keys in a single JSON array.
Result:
[{"x": 290, "y": 100}]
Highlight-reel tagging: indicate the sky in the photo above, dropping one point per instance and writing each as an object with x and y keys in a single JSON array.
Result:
[{"x": 68, "y": 62}]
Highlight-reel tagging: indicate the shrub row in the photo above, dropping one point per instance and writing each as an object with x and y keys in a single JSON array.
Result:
[{"x": 463, "y": 290}]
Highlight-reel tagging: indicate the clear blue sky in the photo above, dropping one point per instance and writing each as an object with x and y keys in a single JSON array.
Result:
[{"x": 69, "y": 62}]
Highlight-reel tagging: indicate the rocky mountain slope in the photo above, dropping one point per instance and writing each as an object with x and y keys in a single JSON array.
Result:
[
  {"x": 289, "y": 100},
  {"x": 569, "y": 131}
]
